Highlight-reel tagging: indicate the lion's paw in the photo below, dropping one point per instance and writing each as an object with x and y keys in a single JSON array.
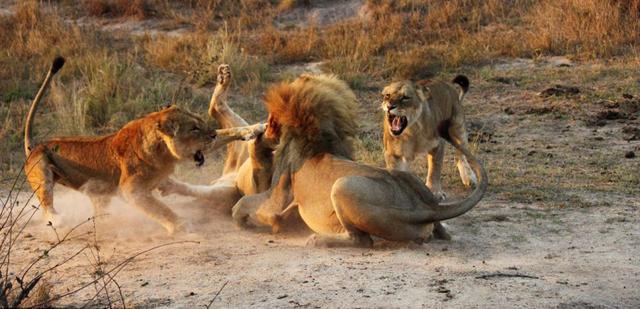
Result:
[
  {"x": 224, "y": 75},
  {"x": 253, "y": 131},
  {"x": 440, "y": 195}
]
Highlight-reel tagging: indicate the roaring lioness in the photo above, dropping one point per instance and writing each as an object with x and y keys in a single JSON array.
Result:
[
  {"x": 133, "y": 161},
  {"x": 248, "y": 164},
  {"x": 342, "y": 201},
  {"x": 415, "y": 113}
]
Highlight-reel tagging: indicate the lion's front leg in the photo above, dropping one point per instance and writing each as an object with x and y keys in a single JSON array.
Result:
[
  {"x": 435, "y": 157},
  {"x": 225, "y": 136},
  {"x": 341, "y": 240},
  {"x": 135, "y": 191}
]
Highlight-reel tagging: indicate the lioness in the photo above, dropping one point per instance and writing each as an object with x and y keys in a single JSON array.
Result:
[
  {"x": 248, "y": 165},
  {"x": 414, "y": 115},
  {"x": 133, "y": 161},
  {"x": 343, "y": 201}
]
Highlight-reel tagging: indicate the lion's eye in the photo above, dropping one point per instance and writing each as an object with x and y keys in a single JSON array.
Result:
[
  {"x": 404, "y": 98},
  {"x": 195, "y": 129}
]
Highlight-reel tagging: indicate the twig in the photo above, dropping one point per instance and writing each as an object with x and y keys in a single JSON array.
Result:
[
  {"x": 216, "y": 296},
  {"x": 118, "y": 266},
  {"x": 494, "y": 275}
]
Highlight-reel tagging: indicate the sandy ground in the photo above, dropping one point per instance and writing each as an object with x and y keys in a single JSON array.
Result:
[
  {"x": 578, "y": 247},
  {"x": 572, "y": 258}
]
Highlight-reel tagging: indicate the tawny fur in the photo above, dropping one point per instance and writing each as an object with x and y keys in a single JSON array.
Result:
[
  {"x": 342, "y": 201},
  {"x": 131, "y": 162},
  {"x": 428, "y": 106},
  {"x": 248, "y": 164}
]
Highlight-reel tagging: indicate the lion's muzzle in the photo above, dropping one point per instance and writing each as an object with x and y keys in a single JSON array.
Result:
[{"x": 397, "y": 123}]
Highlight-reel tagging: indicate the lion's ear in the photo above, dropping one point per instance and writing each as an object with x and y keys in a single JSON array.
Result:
[{"x": 168, "y": 127}]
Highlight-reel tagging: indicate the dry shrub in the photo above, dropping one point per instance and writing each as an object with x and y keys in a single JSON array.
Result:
[
  {"x": 585, "y": 27},
  {"x": 198, "y": 55},
  {"x": 291, "y": 47},
  {"x": 40, "y": 296},
  {"x": 286, "y": 5},
  {"x": 139, "y": 9}
]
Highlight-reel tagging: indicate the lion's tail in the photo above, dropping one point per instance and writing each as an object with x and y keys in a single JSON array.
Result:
[
  {"x": 58, "y": 62},
  {"x": 453, "y": 209},
  {"x": 464, "y": 83}
]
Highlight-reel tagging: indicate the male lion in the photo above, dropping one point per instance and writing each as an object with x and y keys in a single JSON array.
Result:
[
  {"x": 248, "y": 165},
  {"x": 342, "y": 201},
  {"x": 133, "y": 161}
]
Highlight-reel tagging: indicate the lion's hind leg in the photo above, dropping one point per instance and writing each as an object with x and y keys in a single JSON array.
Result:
[
  {"x": 459, "y": 134},
  {"x": 41, "y": 179},
  {"x": 363, "y": 205}
]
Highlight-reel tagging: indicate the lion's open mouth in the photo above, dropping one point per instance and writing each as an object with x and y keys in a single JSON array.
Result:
[
  {"x": 397, "y": 123},
  {"x": 199, "y": 158}
]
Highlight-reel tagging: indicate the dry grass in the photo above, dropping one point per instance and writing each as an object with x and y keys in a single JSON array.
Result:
[
  {"x": 111, "y": 78},
  {"x": 139, "y": 9}
]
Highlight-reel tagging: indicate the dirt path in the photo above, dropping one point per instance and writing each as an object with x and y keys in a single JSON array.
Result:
[{"x": 568, "y": 258}]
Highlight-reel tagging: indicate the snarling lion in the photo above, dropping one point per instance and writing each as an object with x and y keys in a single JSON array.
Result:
[
  {"x": 415, "y": 113},
  {"x": 132, "y": 161},
  {"x": 342, "y": 201},
  {"x": 248, "y": 164}
]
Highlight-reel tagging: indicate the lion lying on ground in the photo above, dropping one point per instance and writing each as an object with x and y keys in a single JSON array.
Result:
[
  {"x": 248, "y": 165},
  {"x": 413, "y": 115},
  {"x": 133, "y": 161},
  {"x": 342, "y": 201}
]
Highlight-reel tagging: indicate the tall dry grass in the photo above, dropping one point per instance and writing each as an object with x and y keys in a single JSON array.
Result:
[
  {"x": 111, "y": 79},
  {"x": 408, "y": 38}
]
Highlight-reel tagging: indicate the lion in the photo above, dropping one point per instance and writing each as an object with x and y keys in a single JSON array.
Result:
[
  {"x": 248, "y": 164},
  {"x": 342, "y": 201},
  {"x": 414, "y": 114},
  {"x": 132, "y": 161}
]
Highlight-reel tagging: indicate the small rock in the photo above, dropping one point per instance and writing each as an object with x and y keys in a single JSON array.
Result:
[
  {"x": 283, "y": 296},
  {"x": 559, "y": 90},
  {"x": 560, "y": 61},
  {"x": 145, "y": 283},
  {"x": 610, "y": 115},
  {"x": 631, "y": 133},
  {"x": 504, "y": 80},
  {"x": 508, "y": 111},
  {"x": 539, "y": 110},
  {"x": 630, "y": 155}
]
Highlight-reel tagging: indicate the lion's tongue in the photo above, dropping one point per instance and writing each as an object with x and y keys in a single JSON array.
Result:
[{"x": 396, "y": 123}]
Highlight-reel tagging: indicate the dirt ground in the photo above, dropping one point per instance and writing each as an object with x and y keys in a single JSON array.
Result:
[
  {"x": 551, "y": 232},
  {"x": 559, "y": 227},
  {"x": 573, "y": 258}
]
